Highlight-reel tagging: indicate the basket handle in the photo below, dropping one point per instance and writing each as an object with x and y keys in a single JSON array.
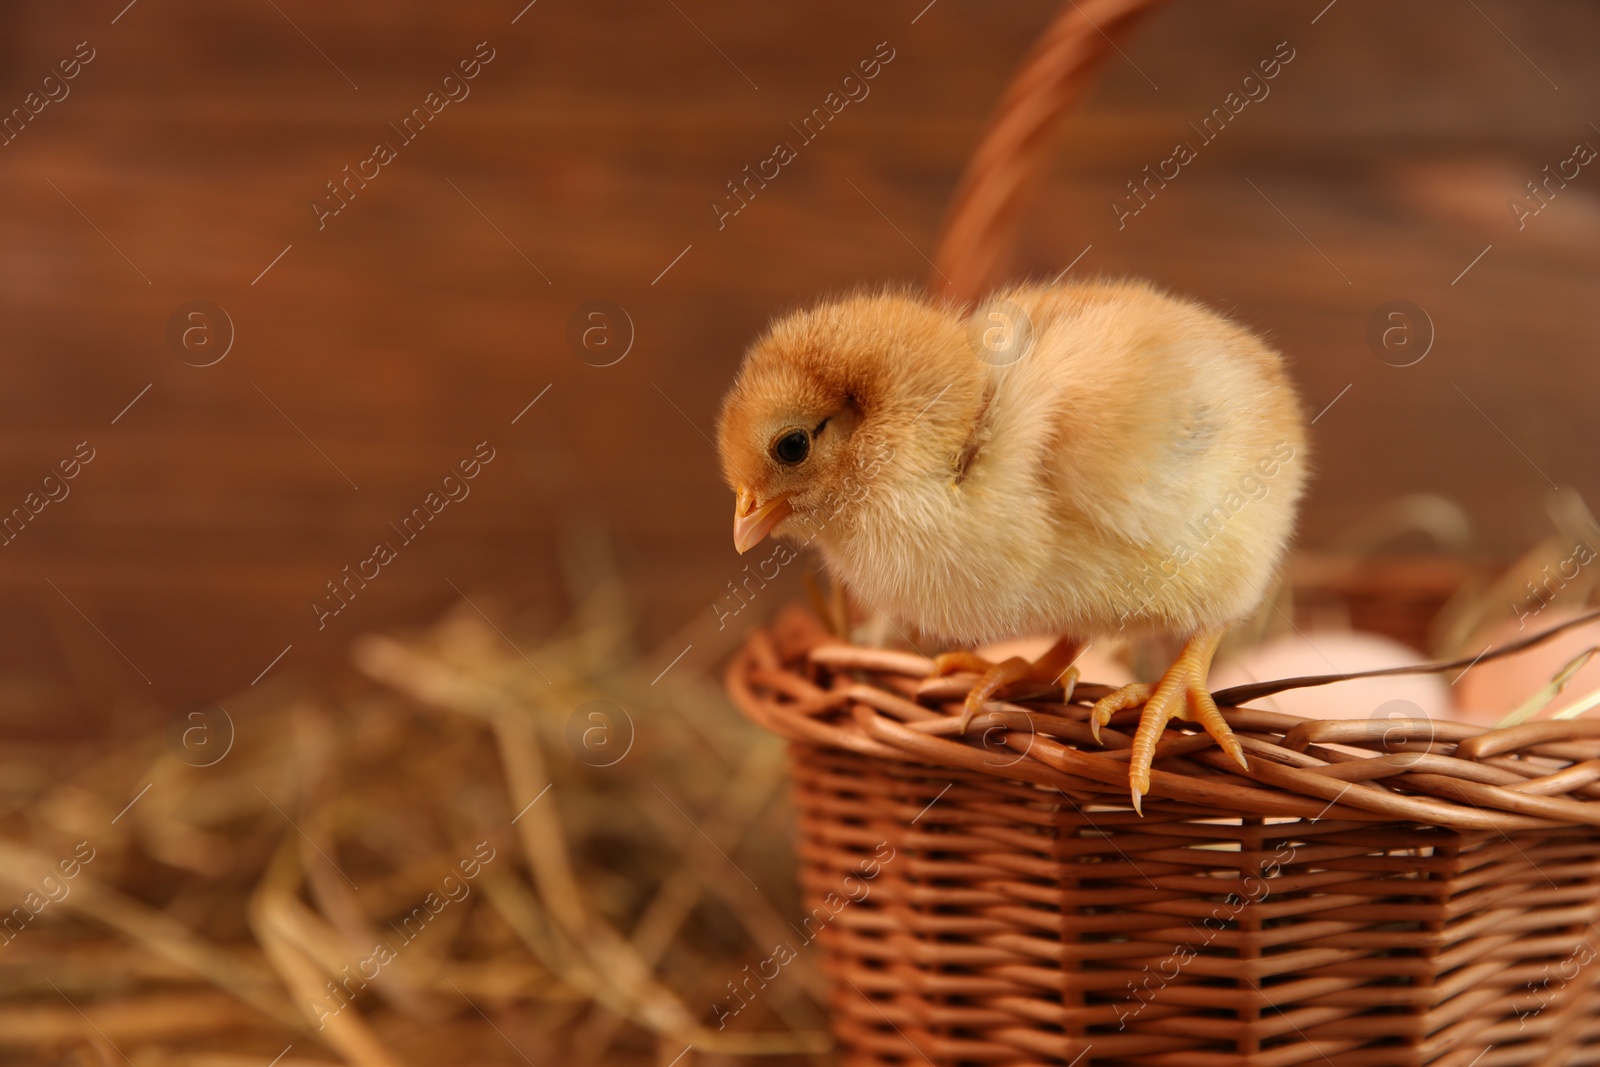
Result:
[{"x": 1005, "y": 171}]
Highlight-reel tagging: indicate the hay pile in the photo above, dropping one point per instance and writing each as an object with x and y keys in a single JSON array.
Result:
[{"x": 491, "y": 851}]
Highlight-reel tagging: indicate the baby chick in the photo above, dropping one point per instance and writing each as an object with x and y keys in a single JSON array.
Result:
[{"x": 1076, "y": 459}]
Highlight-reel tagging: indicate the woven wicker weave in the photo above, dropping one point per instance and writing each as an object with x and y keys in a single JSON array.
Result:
[
  {"x": 1005, "y": 168},
  {"x": 1372, "y": 893}
]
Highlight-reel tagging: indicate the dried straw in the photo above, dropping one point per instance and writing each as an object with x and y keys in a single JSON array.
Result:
[{"x": 228, "y": 912}]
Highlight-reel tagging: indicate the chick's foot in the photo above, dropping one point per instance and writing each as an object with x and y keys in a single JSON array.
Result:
[
  {"x": 1055, "y": 666},
  {"x": 1180, "y": 694}
]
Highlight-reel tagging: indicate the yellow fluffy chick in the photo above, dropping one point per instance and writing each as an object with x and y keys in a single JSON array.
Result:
[{"x": 1075, "y": 460}]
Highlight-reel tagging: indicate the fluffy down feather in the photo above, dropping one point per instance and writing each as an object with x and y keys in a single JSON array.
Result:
[{"x": 1137, "y": 466}]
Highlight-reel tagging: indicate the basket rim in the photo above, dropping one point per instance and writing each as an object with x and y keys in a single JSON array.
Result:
[{"x": 800, "y": 682}]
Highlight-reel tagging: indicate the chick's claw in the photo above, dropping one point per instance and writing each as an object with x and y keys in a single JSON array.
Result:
[
  {"x": 959, "y": 662},
  {"x": 996, "y": 678},
  {"x": 1129, "y": 696},
  {"x": 1181, "y": 694},
  {"x": 1205, "y": 712},
  {"x": 1054, "y": 667}
]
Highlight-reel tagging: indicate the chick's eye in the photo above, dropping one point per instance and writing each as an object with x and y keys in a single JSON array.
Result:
[{"x": 792, "y": 447}]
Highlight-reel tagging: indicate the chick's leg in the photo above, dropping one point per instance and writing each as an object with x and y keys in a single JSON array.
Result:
[
  {"x": 1055, "y": 665},
  {"x": 1180, "y": 694}
]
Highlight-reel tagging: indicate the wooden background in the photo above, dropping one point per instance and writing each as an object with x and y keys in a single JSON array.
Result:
[{"x": 378, "y": 351}]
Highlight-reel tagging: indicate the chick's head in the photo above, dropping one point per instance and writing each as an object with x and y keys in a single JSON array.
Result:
[{"x": 824, "y": 399}]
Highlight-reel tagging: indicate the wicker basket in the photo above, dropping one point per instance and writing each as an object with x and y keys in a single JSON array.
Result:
[{"x": 1370, "y": 893}]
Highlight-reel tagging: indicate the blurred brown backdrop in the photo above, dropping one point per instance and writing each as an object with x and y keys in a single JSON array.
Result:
[{"x": 372, "y": 355}]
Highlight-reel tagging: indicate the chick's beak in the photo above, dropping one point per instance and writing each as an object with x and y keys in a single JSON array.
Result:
[{"x": 752, "y": 521}]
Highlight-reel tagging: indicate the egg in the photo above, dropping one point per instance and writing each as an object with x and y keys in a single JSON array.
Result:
[
  {"x": 1494, "y": 688},
  {"x": 1295, "y": 655}
]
